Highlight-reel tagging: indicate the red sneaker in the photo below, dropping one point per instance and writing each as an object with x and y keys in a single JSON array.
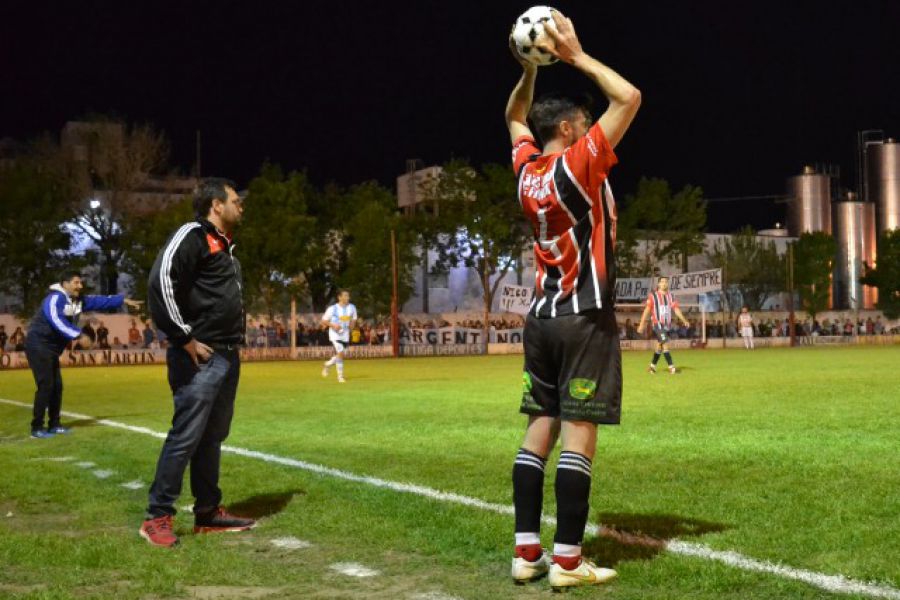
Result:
[
  {"x": 220, "y": 520},
  {"x": 159, "y": 532}
]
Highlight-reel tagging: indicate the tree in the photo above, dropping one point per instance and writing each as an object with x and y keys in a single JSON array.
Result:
[
  {"x": 143, "y": 242},
  {"x": 752, "y": 266},
  {"x": 372, "y": 215},
  {"x": 33, "y": 240},
  {"x": 482, "y": 226},
  {"x": 275, "y": 250},
  {"x": 813, "y": 259},
  {"x": 670, "y": 227},
  {"x": 886, "y": 275},
  {"x": 102, "y": 165}
]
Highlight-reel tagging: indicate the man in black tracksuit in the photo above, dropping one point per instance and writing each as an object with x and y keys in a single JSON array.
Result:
[{"x": 195, "y": 299}]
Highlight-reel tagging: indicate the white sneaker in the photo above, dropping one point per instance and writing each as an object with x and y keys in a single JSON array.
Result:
[
  {"x": 341, "y": 380},
  {"x": 325, "y": 370},
  {"x": 673, "y": 370},
  {"x": 524, "y": 571},
  {"x": 587, "y": 573}
]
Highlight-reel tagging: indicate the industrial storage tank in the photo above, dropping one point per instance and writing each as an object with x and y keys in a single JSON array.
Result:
[
  {"x": 854, "y": 228},
  {"x": 883, "y": 183},
  {"x": 809, "y": 203}
]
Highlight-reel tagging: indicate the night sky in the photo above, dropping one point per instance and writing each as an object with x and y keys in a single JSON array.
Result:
[{"x": 737, "y": 96}]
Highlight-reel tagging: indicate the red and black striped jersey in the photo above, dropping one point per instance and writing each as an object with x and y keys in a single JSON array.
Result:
[
  {"x": 567, "y": 198},
  {"x": 661, "y": 305}
]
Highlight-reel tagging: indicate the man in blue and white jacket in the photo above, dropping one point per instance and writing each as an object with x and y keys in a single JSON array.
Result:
[{"x": 53, "y": 327}]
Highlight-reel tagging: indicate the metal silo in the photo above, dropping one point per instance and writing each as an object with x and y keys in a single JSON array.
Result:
[
  {"x": 809, "y": 204},
  {"x": 854, "y": 229},
  {"x": 883, "y": 169}
]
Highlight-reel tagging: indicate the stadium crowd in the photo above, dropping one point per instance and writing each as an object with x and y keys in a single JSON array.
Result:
[{"x": 273, "y": 333}]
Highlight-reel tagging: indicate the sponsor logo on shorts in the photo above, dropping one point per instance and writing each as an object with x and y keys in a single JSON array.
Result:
[{"x": 582, "y": 389}]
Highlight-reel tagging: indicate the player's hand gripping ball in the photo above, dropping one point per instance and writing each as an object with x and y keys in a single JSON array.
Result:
[{"x": 530, "y": 38}]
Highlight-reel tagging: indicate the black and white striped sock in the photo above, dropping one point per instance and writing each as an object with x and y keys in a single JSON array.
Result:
[
  {"x": 573, "y": 488},
  {"x": 528, "y": 493}
]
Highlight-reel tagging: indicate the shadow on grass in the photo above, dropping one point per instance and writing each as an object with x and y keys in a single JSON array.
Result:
[
  {"x": 263, "y": 505},
  {"x": 625, "y": 537}
]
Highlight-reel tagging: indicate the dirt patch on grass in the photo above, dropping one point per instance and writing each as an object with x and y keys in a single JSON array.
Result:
[
  {"x": 11, "y": 588},
  {"x": 229, "y": 592}
]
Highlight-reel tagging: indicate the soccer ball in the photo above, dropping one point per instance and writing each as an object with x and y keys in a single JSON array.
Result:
[{"x": 528, "y": 33}]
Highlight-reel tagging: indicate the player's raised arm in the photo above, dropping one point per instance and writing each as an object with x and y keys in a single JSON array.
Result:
[
  {"x": 624, "y": 98},
  {"x": 520, "y": 100}
]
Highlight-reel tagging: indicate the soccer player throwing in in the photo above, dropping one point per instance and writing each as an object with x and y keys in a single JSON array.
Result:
[
  {"x": 572, "y": 378},
  {"x": 660, "y": 306},
  {"x": 745, "y": 324},
  {"x": 339, "y": 319}
]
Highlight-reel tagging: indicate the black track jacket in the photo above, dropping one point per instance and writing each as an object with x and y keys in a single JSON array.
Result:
[{"x": 195, "y": 287}]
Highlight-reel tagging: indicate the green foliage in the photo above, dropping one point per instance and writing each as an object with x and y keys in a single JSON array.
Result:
[
  {"x": 480, "y": 225},
  {"x": 33, "y": 242},
  {"x": 752, "y": 268},
  {"x": 813, "y": 260},
  {"x": 274, "y": 239},
  {"x": 145, "y": 236},
  {"x": 372, "y": 216},
  {"x": 672, "y": 226},
  {"x": 886, "y": 275}
]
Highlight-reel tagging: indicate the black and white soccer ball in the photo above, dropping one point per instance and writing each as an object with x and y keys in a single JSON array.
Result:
[{"x": 528, "y": 34}]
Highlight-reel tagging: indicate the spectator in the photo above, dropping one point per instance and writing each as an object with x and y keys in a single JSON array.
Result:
[
  {"x": 261, "y": 335},
  {"x": 252, "y": 332},
  {"x": 102, "y": 336},
  {"x": 88, "y": 330},
  {"x": 3, "y": 338},
  {"x": 148, "y": 335},
  {"x": 134, "y": 335},
  {"x": 117, "y": 343},
  {"x": 17, "y": 341},
  {"x": 878, "y": 328},
  {"x": 161, "y": 339}
]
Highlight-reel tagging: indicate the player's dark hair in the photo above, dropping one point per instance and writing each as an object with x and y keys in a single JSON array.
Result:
[
  {"x": 69, "y": 275},
  {"x": 210, "y": 188},
  {"x": 551, "y": 109},
  {"x": 342, "y": 291}
]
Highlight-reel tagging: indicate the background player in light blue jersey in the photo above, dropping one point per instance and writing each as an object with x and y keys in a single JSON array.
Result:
[{"x": 339, "y": 319}]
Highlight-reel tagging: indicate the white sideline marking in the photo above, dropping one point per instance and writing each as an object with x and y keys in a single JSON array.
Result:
[
  {"x": 103, "y": 473},
  {"x": 291, "y": 543},
  {"x": 433, "y": 596},
  {"x": 85, "y": 464},
  {"x": 353, "y": 570},
  {"x": 133, "y": 485},
  {"x": 55, "y": 458},
  {"x": 832, "y": 583}
]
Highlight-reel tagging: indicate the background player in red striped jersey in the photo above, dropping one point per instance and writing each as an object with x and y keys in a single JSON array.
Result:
[
  {"x": 660, "y": 306},
  {"x": 573, "y": 376}
]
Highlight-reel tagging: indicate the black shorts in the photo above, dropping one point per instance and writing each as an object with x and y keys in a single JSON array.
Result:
[
  {"x": 661, "y": 333},
  {"x": 573, "y": 368}
]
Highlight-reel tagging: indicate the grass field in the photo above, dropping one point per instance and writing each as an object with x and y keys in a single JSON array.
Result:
[{"x": 786, "y": 456}]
